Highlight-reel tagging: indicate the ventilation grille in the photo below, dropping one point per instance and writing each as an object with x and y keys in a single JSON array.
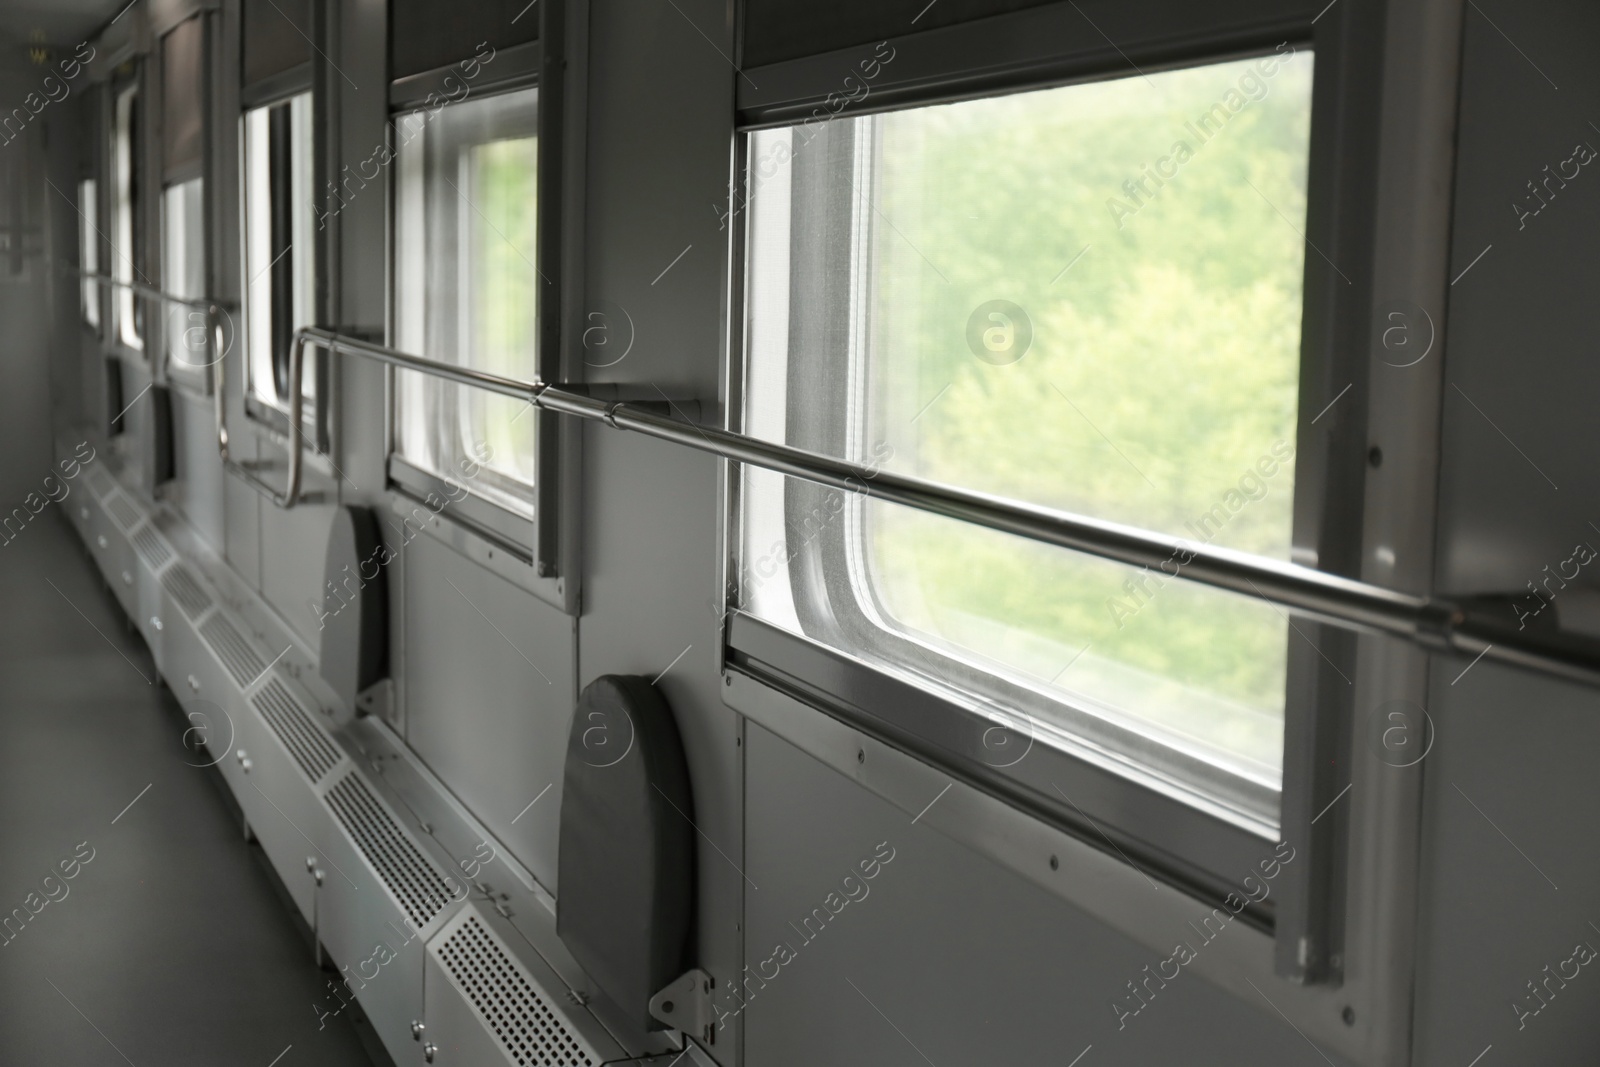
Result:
[
  {"x": 181, "y": 587},
  {"x": 232, "y": 649},
  {"x": 152, "y": 547},
  {"x": 529, "y": 1030},
  {"x": 420, "y": 889},
  {"x": 122, "y": 511},
  {"x": 304, "y": 739}
]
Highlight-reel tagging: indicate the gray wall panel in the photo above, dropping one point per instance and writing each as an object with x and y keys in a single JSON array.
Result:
[
  {"x": 947, "y": 958},
  {"x": 243, "y": 509},
  {"x": 660, "y": 137},
  {"x": 361, "y": 226},
  {"x": 660, "y": 134},
  {"x": 1511, "y": 776},
  {"x": 293, "y": 546},
  {"x": 1519, "y": 487},
  {"x": 197, "y": 490},
  {"x": 25, "y": 438},
  {"x": 1510, "y": 884},
  {"x": 488, "y": 695}
]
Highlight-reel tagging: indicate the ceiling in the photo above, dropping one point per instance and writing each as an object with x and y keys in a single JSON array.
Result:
[{"x": 63, "y": 23}]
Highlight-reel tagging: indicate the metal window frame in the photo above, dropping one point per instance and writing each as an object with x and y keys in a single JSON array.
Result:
[
  {"x": 135, "y": 83},
  {"x": 516, "y": 532},
  {"x": 90, "y": 238},
  {"x": 856, "y": 618},
  {"x": 1011, "y": 52},
  {"x": 547, "y": 64},
  {"x": 267, "y": 418},
  {"x": 189, "y": 379}
]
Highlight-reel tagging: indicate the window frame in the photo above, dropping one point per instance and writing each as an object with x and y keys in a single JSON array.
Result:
[
  {"x": 178, "y": 319},
  {"x": 127, "y": 328},
  {"x": 538, "y": 554},
  {"x": 1154, "y": 831},
  {"x": 266, "y": 414},
  {"x": 90, "y": 312},
  {"x": 492, "y": 517}
]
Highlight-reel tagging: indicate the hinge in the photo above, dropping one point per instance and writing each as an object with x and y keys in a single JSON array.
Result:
[{"x": 685, "y": 1004}]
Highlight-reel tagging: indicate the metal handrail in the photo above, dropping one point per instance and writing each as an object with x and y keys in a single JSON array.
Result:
[
  {"x": 145, "y": 290},
  {"x": 290, "y": 495},
  {"x": 1437, "y": 625},
  {"x": 217, "y": 338}
]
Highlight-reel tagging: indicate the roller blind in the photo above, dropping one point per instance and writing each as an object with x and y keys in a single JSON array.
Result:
[
  {"x": 775, "y": 30},
  {"x": 182, "y": 112},
  {"x": 277, "y": 37},
  {"x": 427, "y": 34}
]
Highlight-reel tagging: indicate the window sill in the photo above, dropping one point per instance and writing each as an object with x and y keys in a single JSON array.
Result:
[
  {"x": 1159, "y": 824},
  {"x": 454, "y": 525}
]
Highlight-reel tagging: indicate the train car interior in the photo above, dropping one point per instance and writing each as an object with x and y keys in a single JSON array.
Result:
[{"x": 760, "y": 533}]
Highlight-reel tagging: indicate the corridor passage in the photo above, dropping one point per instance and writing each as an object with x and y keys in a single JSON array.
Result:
[{"x": 140, "y": 926}]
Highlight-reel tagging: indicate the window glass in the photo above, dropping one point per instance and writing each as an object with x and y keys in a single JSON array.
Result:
[
  {"x": 279, "y": 246},
  {"x": 89, "y": 248},
  {"x": 466, "y": 287},
  {"x": 125, "y": 219},
  {"x": 183, "y": 259},
  {"x": 1084, "y": 297}
]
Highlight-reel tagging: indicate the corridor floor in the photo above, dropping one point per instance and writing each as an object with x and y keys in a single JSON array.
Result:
[{"x": 168, "y": 944}]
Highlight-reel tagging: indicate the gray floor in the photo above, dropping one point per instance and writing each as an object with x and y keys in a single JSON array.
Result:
[{"x": 170, "y": 945}]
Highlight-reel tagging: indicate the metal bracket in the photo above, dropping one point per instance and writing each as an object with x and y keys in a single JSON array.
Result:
[
  {"x": 377, "y": 699},
  {"x": 685, "y": 1004},
  {"x": 649, "y": 398}
]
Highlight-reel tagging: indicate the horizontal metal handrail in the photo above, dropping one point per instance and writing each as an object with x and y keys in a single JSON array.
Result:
[
  {"x": 144, "y": 290},
  {"x": 215, "y": 334},
  {"x": 1435, "y": 624}
]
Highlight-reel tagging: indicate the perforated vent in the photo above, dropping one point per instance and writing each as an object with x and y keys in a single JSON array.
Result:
[
  {"x": 232, "y": 649},
  {"x": 181, "y": 587},
  {"x": 416, "y": 884},
  {"x": 300, "y": 734},
  {"x": 152, "y": 547},
  {"x": 529, "y": 1030},
  {"x": 122, "y": 511}
]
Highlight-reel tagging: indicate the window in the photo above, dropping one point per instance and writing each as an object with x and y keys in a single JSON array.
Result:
[
  {"x": 466, "y": 289},
  {"x": 126, "y": 227},
  {"x": 89, "y": 248},
  {"x": 1085, "y": 297},
  {"x": 183, "y": 258},
  {"x": 279, "y": 246}
]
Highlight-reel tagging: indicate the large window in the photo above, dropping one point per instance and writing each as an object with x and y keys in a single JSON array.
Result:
[
  {"x": 1086, "y": 297},
  {"x": 126, "y": 226},
  {"x": 466, "y": 288},
  {"x": 89, "y": 248},
  {"x": 279, "y": 252},
  {"x": 183, "y": 260}
]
